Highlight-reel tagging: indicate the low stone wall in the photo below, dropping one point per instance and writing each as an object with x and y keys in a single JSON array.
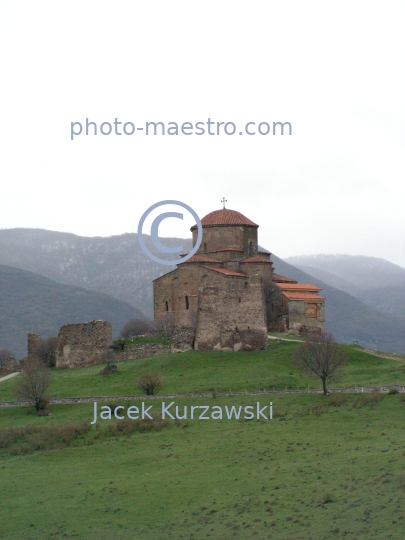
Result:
[
  {"x": 9, "y": 366},
  {"x": 142, "y": 350}
]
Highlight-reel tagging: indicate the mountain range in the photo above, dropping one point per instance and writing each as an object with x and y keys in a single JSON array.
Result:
[
  {"x": 32, "y": 303},
  {"x": 378, "y": 283},
  {"x": 117, "y": 267}
]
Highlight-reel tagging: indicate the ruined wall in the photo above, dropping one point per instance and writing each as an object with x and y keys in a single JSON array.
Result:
[
  {"x": 300, "y": 314},
  {"x": 33, "y": 342},
  {"x": 232, "y": 316},
  {"x": 9, "y": 366},
  {"x": 82, "y": 344}
]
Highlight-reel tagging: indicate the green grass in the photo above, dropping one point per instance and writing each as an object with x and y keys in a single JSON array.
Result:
[
  {"x": 318, "y": 470},
  {"x": 339, "y": 474},
  {"x": 196, "y": 372}
]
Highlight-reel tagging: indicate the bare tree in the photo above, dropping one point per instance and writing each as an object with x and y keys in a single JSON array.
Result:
[
  {"x": 320, "y": 355},
  {"x": 135, "y": 328},
  {"x": 34, "y": 382},
  {"x": 46, "y": 351},
  {"x": 150, "y": 382}
]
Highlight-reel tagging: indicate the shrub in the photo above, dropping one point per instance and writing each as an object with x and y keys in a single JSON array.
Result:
[
  {"x": 365, "y": 399},
  {"x": 150, "y": 382},
  {"x": 46, "y": 351},
  {"x": 135, "y": 328},
  {"x": 22, "y": 440},
  {"x": 34, "y": 382},
  {"x": 109, "y": 369},
  {"x": 393, "y": 391},
  {"x": 337, "y": 400}
]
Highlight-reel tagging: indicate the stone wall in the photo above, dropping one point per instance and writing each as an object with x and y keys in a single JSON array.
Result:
[
  {"x": 33, "y": 342},
  {"x": 9, "y": 366},
  {"x": 298, "y": 319},
  {"x": 83, "y": 344},
  {"x": 183, "y": 339},
  {"x": 142, "y": 350},
  {"x": 232, "y": 318}
]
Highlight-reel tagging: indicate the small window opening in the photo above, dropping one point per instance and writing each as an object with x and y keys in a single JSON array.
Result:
[
  {"x": 250, "y": 248},
  {"x": 205, "y": 247},
  {"x": 167, "y": 305},
  {"x": 187, "y": 303},
  {"x": 246, "y": 284},
  {"x": 239, "y": 299}
]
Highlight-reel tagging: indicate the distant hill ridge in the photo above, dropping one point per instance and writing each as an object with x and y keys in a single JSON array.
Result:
[
  {"x": 117, "y": 266},
  {"x": 378, "y": 283},
  {"x": 30, "y": 302}
]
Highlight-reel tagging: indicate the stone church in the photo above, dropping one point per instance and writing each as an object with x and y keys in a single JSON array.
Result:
[{"x": 228, "y": 293}]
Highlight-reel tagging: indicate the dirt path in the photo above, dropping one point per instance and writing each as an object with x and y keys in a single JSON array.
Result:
[
  {"x": 388, "y": 356},
  {"x": 9, "y": 376}
]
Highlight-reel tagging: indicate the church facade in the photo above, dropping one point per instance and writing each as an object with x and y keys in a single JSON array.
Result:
[{"x": 228, "y": 292}]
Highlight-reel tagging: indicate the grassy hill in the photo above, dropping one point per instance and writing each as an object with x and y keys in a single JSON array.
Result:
[
  {"x": 31, "y": 303},
  {"x": 197, "y": 371},
  {"x": 322, "y": 468}
]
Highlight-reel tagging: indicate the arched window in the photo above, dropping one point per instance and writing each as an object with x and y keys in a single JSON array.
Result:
[
  {"x": 167, "y": 305},
  {"x": 187, "y": 303},
  {"x": 205, "y": 247}
]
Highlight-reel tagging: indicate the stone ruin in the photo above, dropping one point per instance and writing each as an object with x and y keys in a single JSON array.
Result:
[
  {"x": 8, "y": 366},
  {"x": 83, "y": 344}
]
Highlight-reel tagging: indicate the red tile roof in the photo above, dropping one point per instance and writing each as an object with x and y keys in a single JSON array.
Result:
[
  {"x": 200, "y": 259},
  {"x": 298, "y": 287},
  {"x": 257, "y": 258},
  {"x": 226, "y": 271},
  {"x": 303, "y": 296},
  {"x": 280, "y": 278},
  {"x": 225, "y": 216}
]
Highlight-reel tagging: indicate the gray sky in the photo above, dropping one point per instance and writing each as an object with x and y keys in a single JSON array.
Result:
[{"x": 334, "y": 70}]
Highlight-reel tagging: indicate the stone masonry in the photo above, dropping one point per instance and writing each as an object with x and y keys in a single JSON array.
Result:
[
  {"x": 229, "y": 293},
  {"x": 83, "y": 344}
]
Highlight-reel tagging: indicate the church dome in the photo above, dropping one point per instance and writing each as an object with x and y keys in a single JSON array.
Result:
[{"x": 224, "y": 217}]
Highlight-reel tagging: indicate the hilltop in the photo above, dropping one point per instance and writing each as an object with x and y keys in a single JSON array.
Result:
[{"x": 118, "y": 267}]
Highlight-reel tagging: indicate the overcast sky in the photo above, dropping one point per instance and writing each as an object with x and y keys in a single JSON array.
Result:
[{"x": 334, "y": 70}]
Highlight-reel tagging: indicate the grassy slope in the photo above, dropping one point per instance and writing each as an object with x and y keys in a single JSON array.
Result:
[
  {"x": 202, "y": 371},
  {"x": 228, "y": 479}
]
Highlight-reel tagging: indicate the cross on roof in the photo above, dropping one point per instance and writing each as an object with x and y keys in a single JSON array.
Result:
[{"x": 223, "y": 201}]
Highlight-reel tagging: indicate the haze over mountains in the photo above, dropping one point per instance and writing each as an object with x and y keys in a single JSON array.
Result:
[
  {"x": 30, "y": 302},
  {"x": 117, "y": 267},
  {"x": 376, "y": 282}
]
